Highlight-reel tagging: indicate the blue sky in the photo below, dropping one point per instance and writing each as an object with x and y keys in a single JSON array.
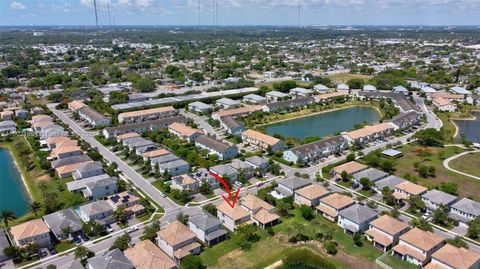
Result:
[{"x": 242, "y": 12}]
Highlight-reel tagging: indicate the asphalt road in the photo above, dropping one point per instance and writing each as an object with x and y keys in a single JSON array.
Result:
[{"x": 123, "y": 167}]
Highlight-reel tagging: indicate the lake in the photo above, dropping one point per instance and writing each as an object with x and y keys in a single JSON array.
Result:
[
  {"x": 13, "y": 195},
  {"x": 324, "y": 124},
  {"x": 471, "y": 128}
]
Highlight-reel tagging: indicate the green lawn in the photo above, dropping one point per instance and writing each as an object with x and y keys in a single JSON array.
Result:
[
  {"x": 344, "y": 77},
  {"x": 448, "y": 128},
  {"x": 63, "y": 246},
  {"x": 469, "y": 163},
  {"x": 157, "y": 184},
  {"x": 397, "y": 263},
  {"x": 466, "y": 186}
]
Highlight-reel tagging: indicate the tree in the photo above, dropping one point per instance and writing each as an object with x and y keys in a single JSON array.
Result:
[
  {"x": 457, "y": 242},
  {"x": 66, "y": 231},
  {"x": 330, "y": 247},
  {"x": 357, "y": 240},
  {"x": 122, "y": 242},
  {"x": 210, "y": 208},
  {"x": 430, "y": 137},
  {"x": 120, "y": 215},
  {"x": 421, "y": 224},
  {"x": 51, "y": 266},
  {"x": 366, "y": 183},
  {"x": 345, "y": 177},
  {"x": 307, "y": 212},
  {"x": 7, "y": 216},
  {"x": 192, "y": 262},
  {"x": 13, "y": 252},
  {"x": 144, "y": 85},
  {"x": 82, "y": 253},
  {"x": 356, "y": 83},
  {"x": 440, "y": 215},
  {"x": 150, "y": 232},
  {"x": 350, "y": 157},
  {"x": 416, "y": 203},
  {"x": 247, "y": 233},
  {"x": 35, "y": 207},
  {"x": 474, "y": 229},
  {"x": 449, "y": 187}
]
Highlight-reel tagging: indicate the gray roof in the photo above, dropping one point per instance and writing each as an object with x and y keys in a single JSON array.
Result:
[
  {"x": 200, "y": 105},
  {"x": 138, "y": 126},
  {"x": 310, "y": 148},
  {"x": 291, "y": 102},
  {"x": 468, "y": 206},
  {"x": 256, "y": 160},
  {"x": 227, "y": 101},
  {"x": 102, "y": 183},
  {"x": 92, "y": 114},
  {"x": 277, "y": 94},
  {"x": 3, "y": 244},
  {"x": 59, "y": 220},
  {"x": 358, "y": 213},
  {"x": 165, "y": 158},
  {"x": 173, "y": 164},
  {"x": 371, "y": 173},
  {"x": 460, "y": 90},
  {"x": 255, "y": 97},
  {"x": 294, "y": 183},
  {"x": 223, "y": 169},
  {"x": 71, "y": 160},
  {"x": 81, "y": 184},
  {"x": 92, "y": 166},
  {"x": 71, "y": 265},
  {"x": 212, "y": 143},
  {"x": 231, "y": 123},
  {"x": 205, "y": 221},
  {"x": 390, "y": 182},
  {"x": 439, "y": 197},
  {"x": 114, "y": 259},
  {"x": 400, "y": 89},
  {"x": 96, "y": 207}
]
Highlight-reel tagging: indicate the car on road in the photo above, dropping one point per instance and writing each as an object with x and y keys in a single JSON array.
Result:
[
  {"x": 163, "y": 195},
  {"x": 259, "y": 184},
  {"x": 132, "y": 229},
  {"x": 426, "y": 216},
  {"x": 238, "y": 183}
]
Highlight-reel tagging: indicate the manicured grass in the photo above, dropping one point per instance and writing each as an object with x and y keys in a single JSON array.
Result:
[
  {"x": 397, "y": 263},
  {"x": 469, "y": 163},
  {"x": 36, "y": 177},
  {"x": 157, "y": 184},
  {"x": 344, "y": 77},
  {"x": 63, "y": 246},
  {"x": 448, "y": 128},
  {"x": 466, "y": 186}
]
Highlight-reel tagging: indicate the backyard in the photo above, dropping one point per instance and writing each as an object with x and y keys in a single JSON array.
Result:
[
  {"x": 344, "y": 77},
  {"x": 266, "y": 252}
]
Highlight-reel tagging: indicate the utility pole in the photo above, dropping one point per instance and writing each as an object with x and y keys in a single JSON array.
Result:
[
  {"x": 96, "y": 17},
  {"x": 108, "y": 8}
]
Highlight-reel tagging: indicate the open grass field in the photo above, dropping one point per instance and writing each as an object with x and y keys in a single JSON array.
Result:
[
  {"x": 344, "y": 77},
  {"x": 265, "y": 252},
  {"x": 469, "y": 164},
  {"x": 448, "y": 128},
  {"x": 466, "y": 186}
]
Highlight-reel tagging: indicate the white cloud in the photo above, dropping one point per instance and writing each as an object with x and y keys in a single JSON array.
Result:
[{"x": 17, "y": 5}]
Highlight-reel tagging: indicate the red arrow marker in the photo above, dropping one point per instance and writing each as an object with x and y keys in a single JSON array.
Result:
[{"x": 229, "y": 199}]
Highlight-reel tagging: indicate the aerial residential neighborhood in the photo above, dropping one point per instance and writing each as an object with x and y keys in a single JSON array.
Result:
[{"x": 176, "y": 134}]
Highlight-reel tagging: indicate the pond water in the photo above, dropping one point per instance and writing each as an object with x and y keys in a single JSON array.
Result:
[
  {"x": 13, "y": 195},
  {"x": 471, "y": 128},
  {"x": 324, "y": 124}
]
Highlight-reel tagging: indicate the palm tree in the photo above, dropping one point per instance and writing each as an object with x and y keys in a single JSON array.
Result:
[
  {"x": 35, "y": 207},
  {"x": 81, "y": 253},
  {"x": 7, "y": 216},
  {"x": 66, "y": 231},
  {"x": 120, "y": 215}
]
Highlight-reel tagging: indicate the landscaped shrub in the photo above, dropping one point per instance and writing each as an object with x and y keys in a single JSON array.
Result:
[{"x": 307, "y": 258}]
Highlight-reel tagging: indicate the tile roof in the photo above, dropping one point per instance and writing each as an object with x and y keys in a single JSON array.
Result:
[
  {"x": 370, "y": 130},
  {"x": 183, "y": 129},
  {"x": 29, "y": 229},
  {"x": 421, "y": 239},
  {"x": 59, "y": 220},
  {"x": 350, "y": 167},
  {"x": 233, "y": 213},
  {"x": 127, "y": 135},
  {"x": 337, "y": 200},
  {"x": 264, "y": 216},
  {"x": 145, "y": 112},
  {"x": 459, "y": 258},
  {"x": 146, "y": 255},
  {"x": 155, "y": 153},
  {"x": 389, "y": 225},
  {"x": 406, "y": 250},
  {"x": 379, "y": 237},
  {"x": 176, "y": 233},
  {"x": 270, "y": 140},
  {"x": 238, "y": 111},
  {"x": 254, "y": 203},
  {"x": 411, "y": 188},
  {"x": 312, "y": 191}
]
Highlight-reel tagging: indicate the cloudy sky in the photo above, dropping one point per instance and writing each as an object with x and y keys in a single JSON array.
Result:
[{"x": 241, "y": 12}]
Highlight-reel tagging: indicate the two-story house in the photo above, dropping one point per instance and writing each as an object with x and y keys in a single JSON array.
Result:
[
  {"x": 355, "y": 219},
  {"x": 417, "y": 246},
  {"x": 33, "y": 231},
  {"x": 310, "y": 195},
  {"x": 232, "y": 217},
  {"x": 207, "y": 228},
  {"x": 385, "y": 232},
  {"x": 329, "y": 206},
  {"x": 177, "y": 241}
]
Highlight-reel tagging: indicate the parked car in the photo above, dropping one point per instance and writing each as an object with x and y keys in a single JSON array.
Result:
[
  {"x": 259, "y": 184},
  {"x": 132, "y": 229},
  {"x": 238, "y": 183},
  {"x": 109, "y": 229},
  {"x": 426, "y": 216}
]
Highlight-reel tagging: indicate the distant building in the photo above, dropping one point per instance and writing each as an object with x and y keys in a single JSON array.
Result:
[
  {"x": 227, "y": 103},
  {"x": 465, "y": 210},
  {"x": 276, "y": 96},
  {"x": 140, "y": 127},
  {"x": 93, "y": 118},
  {"x": 316, "y": 150},
  {"x": 321, "y": 88},
  {"x": 184, "y": 131},
  {"x": 147, "y": 114},
  {"x": 254, "y": 99},
  {"x": 288, "y": 104},
  {"x": 300, "y": 92},
  {"x": 232, "y": 126},
  {"x": 199, "y": 107}
]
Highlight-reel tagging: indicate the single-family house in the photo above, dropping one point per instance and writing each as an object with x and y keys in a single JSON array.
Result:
[
  {"x": 21, "y": 113},
  {"x": 369, "y": 88},
  {"x": 385, "y": 232},
  {"x": 233, "y": 217},
  {"x": 287, "y": 187},
  {"x": 227, "y": 103},
  {"x": 109, "y": 260},
  {"x": 226, "y": 171},
  {"x": 435, "y": 198},
  {"x": 149, "y": 155},
  {"x": 177, "y": 241},
  {"x": 174, "y": 168},
  {"x": 93, "y": 118},
  {"x": 404, "y": 190},
  {"x": 94, "y": 188},
  {"x": 100, "y": 211},
  {"x": 262, "y": 213},
  {"x": 258, "y": 163},
  {"x": 130, "y": 203},
  {"x": 7, "y": 127},
  {"x": 7, "y": 115},
  {"x": 450, "y": 256},
  {"x": 343, "y": 87},
  {"x": 207, "y": 228},
  {"x": 310, "y": 195},
  {"x": 288, "y": 104},
  {"x": 203, "y": 176},
  {"x": 32, "y": 231},
  {"x": 350, "y": 168},
  {"x": 276, "y": 96},
  {"x": 58, "y": 222},
  {"x": 372, "y": 174},
  {"x": 389, "y": 182},
  {"x": 444, "y": 105},
  {"x": 89, "y": 169},
  {"x": 242, "y": 167},
  {"x": 356, "y": 218},
  {"x": 330, "y": 205},
  {"x": 70, "y": 160},
  {"x": 300, "y": 92},
  {"x": 417, "y": 246},
  {"x": 146, "y": 255},
  {"x": 254, "y": 99},
  {"x": 185, "y": 183},
  {"x": 320, "y": 88},
  {"x": 465, "y": 210}
]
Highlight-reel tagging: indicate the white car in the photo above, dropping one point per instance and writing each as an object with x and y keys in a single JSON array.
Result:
[
  {"x": 238, "y": 183},
  {"x": 109, "y": 229},
  {"x": 426, "y": 216},
  {"x": 132, "y": 229}
]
